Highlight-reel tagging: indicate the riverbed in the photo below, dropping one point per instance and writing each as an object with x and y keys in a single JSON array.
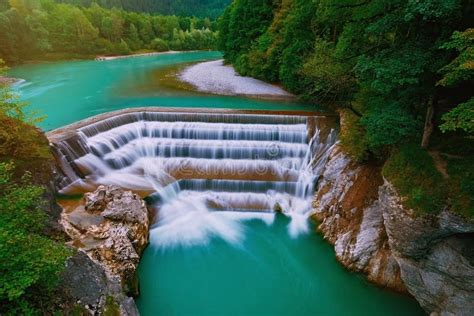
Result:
[{"x": 236, "y": 263}]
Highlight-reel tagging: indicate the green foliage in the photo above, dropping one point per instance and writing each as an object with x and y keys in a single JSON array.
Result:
[
  {"x": 460, "y": 68},
  {"x": 38, "y": 29},
  {"x": 458, "y": 72},
  {"x": 382, "y": 64},
  {"x": 457, "y": 151},
  {"x": 10, "y": 105},
  {"x": 192, "y": 40},
  {"x": 412, "y": 171},
  {"x": 24, "y": 144},
  {"x": 159, "y": 45},
  {"x": 297, "y": 45},
  {"x": 460, "y": 118},
  {"x": 387, "y": 126},
  {"x": 18, "y": 139},
  {"x": 111, "y": 308},
  {"x": 461, "y": 184},
  {"x": 329, "y": 79},
  {"x": 385, "y": 55},
  {"x": 200, "y": 8},
  {"x": 30, "y": 262},
  {"x": 353, "y": 136},
  {"x": 242, "y": 23}
]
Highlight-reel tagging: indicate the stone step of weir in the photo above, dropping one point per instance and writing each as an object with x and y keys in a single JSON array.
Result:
[
  {"x": 203, "y": 185},
  {"x": 127, "y": 118},
  {"x": 191, "y": 168},
  {"x": 124, "y": 134},
  {"x": 217, "y": 152},
  {"x": 235, "y": 201},
  {"x": 212, "y": 149}
]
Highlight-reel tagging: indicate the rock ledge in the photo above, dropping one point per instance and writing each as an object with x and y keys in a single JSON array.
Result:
[
  {"x": 429, "y": 256},
  {"x": 110, "y": 229}
]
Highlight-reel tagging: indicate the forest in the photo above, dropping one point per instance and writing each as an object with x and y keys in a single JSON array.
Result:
[
  {"x": 199, "y": 8},
  {"x": 399, "y": 72},
  {"x": 43, "y": 30}
]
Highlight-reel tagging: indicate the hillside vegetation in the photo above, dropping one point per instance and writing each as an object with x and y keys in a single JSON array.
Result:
[
  {"x": 31, "y": 259},
  {"x": 401, "y": 72},
  {"x": 200, "y": 8},
  {"x": 43, "y": 29}
]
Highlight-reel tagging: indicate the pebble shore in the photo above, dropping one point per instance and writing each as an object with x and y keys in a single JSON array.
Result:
[{"x": 215, "y": 77}]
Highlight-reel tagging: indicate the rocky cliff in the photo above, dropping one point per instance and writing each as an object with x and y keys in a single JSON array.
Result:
[
  {"x": 431, "y": 257},
  {"x": 110, "y": 230}
]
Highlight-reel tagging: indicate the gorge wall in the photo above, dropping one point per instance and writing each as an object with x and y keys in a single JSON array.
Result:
[{"x": 429, "y": 256}]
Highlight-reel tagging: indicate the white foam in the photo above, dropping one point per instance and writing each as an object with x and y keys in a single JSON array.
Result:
[
  {"x": 251, "y": 167},
  {"x": 185, "y": 222}
]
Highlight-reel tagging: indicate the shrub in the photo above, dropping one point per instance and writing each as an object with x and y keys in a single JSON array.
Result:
[
  {"x": 460, "y": 118},
  {"x": 388, "y": 126},
  {"x": 461, "y": 186},
  {"x": 26, "y": 146},
  {"x": 413, "y": 173},
  {"x": 30, "y": 262},
  {"x": 122, "y": 48},
  {"x": 352, "y": 136},
  {"x": 159, "y": 45}
]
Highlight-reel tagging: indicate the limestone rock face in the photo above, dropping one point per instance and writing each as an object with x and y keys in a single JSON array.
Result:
[
  {"x": 435, "y": 255},
  {"x": 111, "y": 228},
  {"x": 431, "y": 257},
  {"x": 351, "y": 219}
]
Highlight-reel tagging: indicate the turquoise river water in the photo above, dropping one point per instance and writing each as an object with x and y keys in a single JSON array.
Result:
[
  {"x": 242, "y": 267},
  {"x": 70, "y": 91}
]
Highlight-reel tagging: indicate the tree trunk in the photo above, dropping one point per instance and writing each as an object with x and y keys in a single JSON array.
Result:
[{"x": 429, "y": 126}]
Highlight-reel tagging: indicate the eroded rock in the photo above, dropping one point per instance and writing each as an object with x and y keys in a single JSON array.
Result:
[
  {"x": 111, "y": 228},
  {"x": 435, "y": 255},
  {"x": 431, "y": 257},
  {"x": 352, "y": 220}
]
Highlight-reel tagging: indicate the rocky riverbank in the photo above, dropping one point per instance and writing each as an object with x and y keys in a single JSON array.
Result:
[
  {"x": 8, "y": 80},
  {"x": 106, "y": 58},
  {"x": 429, "y": 256},
  {"x": 217, "y": 78},
  {"x": 110, "y": 230}
]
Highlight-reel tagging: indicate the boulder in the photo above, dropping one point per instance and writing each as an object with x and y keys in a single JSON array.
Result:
[
  {"x": 435, "y": 254},
  {"x": 110, "y": 227}
]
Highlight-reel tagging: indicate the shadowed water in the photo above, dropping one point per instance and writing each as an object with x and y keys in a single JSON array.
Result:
[{"x": 264, "y": 273}]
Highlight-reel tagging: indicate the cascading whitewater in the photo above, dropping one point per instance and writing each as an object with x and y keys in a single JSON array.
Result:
[{"x": 194, "y": 164}]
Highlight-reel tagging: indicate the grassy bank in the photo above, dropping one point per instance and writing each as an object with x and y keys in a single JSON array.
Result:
[{"x": 418, "y": 177}]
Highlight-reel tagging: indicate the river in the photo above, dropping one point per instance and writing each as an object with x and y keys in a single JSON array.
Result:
[
  {"x": 70, "y": 91},
  {"x": 208, "y": 263}
]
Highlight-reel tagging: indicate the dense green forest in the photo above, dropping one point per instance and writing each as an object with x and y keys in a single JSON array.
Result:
[
  {"x": 200, "y": 8},
  {"x": 399, "y": 72},
  {"x": 42, "y": 29}
]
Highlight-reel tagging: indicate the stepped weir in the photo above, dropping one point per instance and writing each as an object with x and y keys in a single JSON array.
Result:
[{"x": 237, "y": 161}]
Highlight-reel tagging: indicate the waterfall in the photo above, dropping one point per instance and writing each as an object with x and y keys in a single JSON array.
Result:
[{"x": 203, "y": 171}]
